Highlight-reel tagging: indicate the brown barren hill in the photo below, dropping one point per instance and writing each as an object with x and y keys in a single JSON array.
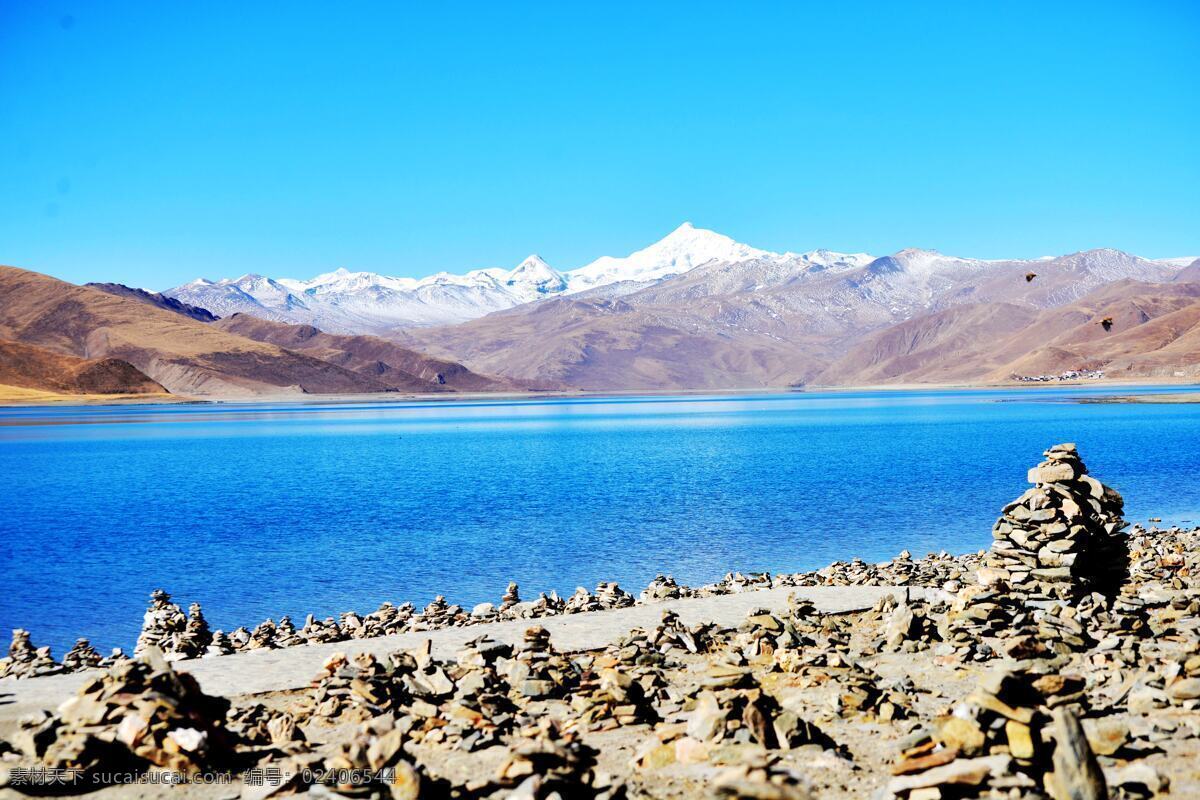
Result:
[
  {"x": 601, "y": 343},
  {"x": 1155, "y": 333},
  {"x": 1189, "y": 274},
  {"x": 156, "y": 299},
  {"x": 380, "y": 359},
  {"x": 32, "y": 367},
  {"x": 184, "y": 355}
]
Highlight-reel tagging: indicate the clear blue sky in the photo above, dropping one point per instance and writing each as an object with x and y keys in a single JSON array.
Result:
[{"x": 150, "y": 143}]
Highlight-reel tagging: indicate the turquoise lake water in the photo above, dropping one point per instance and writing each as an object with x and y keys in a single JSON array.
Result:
[{"x": 259, "y": 510}]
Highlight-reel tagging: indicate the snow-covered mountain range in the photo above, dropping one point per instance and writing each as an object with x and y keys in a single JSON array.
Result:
[{"x": 694, "y": 261}]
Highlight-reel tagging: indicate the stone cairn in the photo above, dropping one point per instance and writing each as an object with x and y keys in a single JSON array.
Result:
[
  {"x": 81, "y": 656},
  {"x": 138, "y": 714},
  {"x": 1017, "y": 735},
  {"x": 537, "y": 670},
  {"x": 757, "y": 779},
  {"x": 176, "y": 634},
  {"x": 26, "y": 661},
  {"x": 1063, "y": 538},
  {"x": 1058, "y": 561}
]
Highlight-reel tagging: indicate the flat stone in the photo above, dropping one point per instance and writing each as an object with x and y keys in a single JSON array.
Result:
[
  {"x": 1186, "y": 689},
  {"x": 960, "y": 734},
  {"x": 961, "y": 772}
]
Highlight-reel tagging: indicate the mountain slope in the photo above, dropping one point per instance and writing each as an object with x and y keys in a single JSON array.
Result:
[
  {"x": 600, "y": 343},
  {"x": 32, "y": 367},
  {"x": 364, "y": 302},
  {"x": 1190, "y": 273},
  {"x": 156, "y": 299},
  {"x": 379, "y": 359},
  {"x": 770, "y": 321},
  {"x": 361, "y": 302},
  {"x": 1154, "y": 333},
  {"x": 185, "y": 356}
]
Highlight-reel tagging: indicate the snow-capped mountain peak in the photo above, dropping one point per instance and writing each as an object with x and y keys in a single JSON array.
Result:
[
  {"x": 534, "y": 273},
  {"x": 679, "y": 251},
  {"x": 344, "y": 301}
]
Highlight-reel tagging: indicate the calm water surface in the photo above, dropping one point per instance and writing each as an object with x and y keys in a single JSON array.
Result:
[{"x": 262, "y": 510}]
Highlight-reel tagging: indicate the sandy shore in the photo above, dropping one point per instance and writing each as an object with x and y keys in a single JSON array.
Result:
[
  {"x": 1164, "y": 399},
  {"x": 21, "y": 396},
  {"x": 17, "y": 396}
]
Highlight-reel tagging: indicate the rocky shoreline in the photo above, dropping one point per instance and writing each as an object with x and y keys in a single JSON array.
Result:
[
  {"x": 1062, "y": 663},
  {"x": 185, "y": 635}
]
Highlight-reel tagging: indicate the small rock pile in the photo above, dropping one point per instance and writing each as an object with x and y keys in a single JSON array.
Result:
[
  {"x": 551, "y": 766},
  {"x": 609, "y": 697},
  {"x": 610, "y": 595},
  {"x": 672, "y": 635},
  {"x": 761, "y": 779},
  {"x": 1163, "y": 559},
  {"x": 1016, "y": 735},
  {"x": 373, "y": 764},
  {"x": 935, "y": 569},
  {"x": 745, "y": 714},
  {"x": 175, "y": 634},
  {"x": 1175, "y": 683},
  {"x": 1064, "y": 537},
  {"x": 908, "y": 626},
  {"x": 318, "y": 631},
  {"x": 536, "y": 670},
  {"x": 355, "y": 690},
  {"x": 259, "y": 726},
  {"x": 664, "y": 587},
  {"x": 81, "y": 656},
  {"x": 139, "y": 713},
  {"x": 26, "y": 661},
  {"x": 860, "y": 692},
  {"x": 735, "y": 582},
  {"x": 480, "y": 712},
  {"x": 439, "y": 614}
]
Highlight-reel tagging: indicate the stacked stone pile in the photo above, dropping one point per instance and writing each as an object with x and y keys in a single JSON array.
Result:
[
  {"x": 664, "y": 587},
  {"x": 745, "y": 714},
  {"x": 321, "y": 631},
  {"x": 908, "y": 627},
  {"x": 1064, "y": 537},
  {"x": 286, "y": 634},
  {"x": 537, "y": 670},
  {"x": 735, "y": 582},
  {"x": 1163, "y": 563},
  {"x": 259, "y": 726},
  {"x": 762, "y": 633},
  {"x": 581, "y": 601},
  {"x": 671, "y": 635},
  {"x": 761, "y": 779},
  {"x": 138, "y": 714},
  {"x": 1175, "y": 682},
  {"x": 552, "y": 766},
  {"x": 373, "y": 765},
  {"x": 610, "y": 595},
  {"x": 830, "y": 630},
  {"x": 81, "y": 656},
  {"x": 861, "y": 692},
  {"x": 439, "y": 614},
  {"x": 609, "y": 697},
  {"x": 162, "y": 626},
  {"x": 356, "y": 690},
  {"x": 263, "y": 636},
  {"x": 1164, "y": 560},
  {"x": 933, "y": 570},
  {"x": 1016, "y": 735},
  {"x": 26, "y": 661}
]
